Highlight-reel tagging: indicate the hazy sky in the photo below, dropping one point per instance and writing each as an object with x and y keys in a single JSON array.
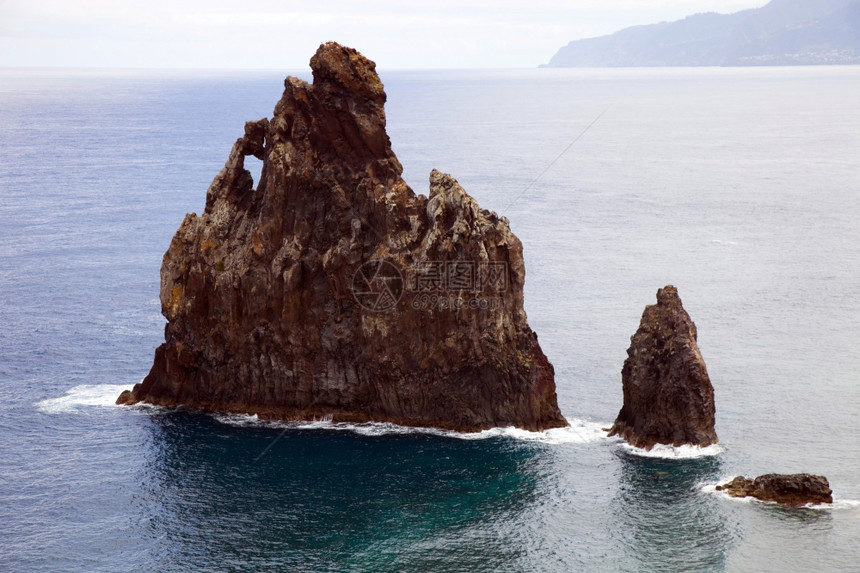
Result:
[{"x": 283, "y": 34}]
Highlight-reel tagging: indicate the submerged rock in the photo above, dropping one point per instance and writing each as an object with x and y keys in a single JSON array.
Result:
[
  {"x": 787, "y": 489},
  {"x": 668, "y": 397},
  {"x": 333, "y": 290}
]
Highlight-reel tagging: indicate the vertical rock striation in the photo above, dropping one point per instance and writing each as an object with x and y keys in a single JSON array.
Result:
[
  {"x": 668, "y": 397},
  {"x": 333, "y": 290}
]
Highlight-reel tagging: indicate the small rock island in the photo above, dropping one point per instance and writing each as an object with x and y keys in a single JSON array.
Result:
[
  {"x": 331, "y": 290},
  {"x": 668, "y": 396},
  {"x": 787, "y": 489}
]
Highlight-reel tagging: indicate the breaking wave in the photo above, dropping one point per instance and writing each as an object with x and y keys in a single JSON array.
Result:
[
  {"x": 84, "y": 396},
  {"x": 579, "y": 431},
  {"x": 668, "y": 452}
]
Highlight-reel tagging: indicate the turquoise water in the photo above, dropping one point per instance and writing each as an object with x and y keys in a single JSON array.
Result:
[{"x": 741, "y": 187}]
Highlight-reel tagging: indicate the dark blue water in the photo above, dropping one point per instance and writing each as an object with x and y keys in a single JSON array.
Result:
[{"x": 741, "y": 187}]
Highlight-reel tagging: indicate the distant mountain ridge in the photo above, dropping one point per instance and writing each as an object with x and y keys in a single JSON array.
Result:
[{"x": 783, "y": 32}]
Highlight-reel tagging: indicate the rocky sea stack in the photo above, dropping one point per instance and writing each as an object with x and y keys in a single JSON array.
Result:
[
  {"x": 332, "y": 290},
  {"x": 668, "y": 397},
  {"x": 786, "y": 489}
]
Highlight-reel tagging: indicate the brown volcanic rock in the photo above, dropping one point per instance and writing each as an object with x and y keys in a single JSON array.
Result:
[
  {"x": 668, "y": 397},
  {"x": 787, "y": 489},
  {"x": 278, "y": 302}
]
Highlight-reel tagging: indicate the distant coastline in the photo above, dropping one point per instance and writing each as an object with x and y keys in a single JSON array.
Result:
[{"x": 781, "y": 33}]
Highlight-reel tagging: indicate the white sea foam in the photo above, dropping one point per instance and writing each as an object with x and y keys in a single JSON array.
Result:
[
  {"x": 579, "y": 431},
  {"x": 83, "y": 397},
  {"x": 851, "y": 504},
  {"x": 711, "y": 488},
  {"x": 837, "y": 505},
  {"x": 240, "y": 420},
  {"x": 668, "y": 452}
]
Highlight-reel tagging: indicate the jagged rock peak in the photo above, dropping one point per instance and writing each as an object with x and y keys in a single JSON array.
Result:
[
  {"x": 341, "y": 69},
  {"x": 333, "y": 290},
  {"x": 668, "y": 396}
]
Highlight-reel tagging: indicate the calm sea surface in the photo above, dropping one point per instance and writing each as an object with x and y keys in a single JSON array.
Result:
[{"x": 739, "y": 186}]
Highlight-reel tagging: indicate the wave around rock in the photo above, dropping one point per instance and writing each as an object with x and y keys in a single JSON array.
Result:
[{"x": 668, "y": 396}]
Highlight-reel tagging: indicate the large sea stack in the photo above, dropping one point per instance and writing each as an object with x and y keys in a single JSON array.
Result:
[
  {"x": 332, "y": 290},
  {"x": 668, "y": 397}
]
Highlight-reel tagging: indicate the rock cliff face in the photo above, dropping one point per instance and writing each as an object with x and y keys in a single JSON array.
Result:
[
  {"x": 332, "y": 290},
  {"x": 668, "y": 397},
  {"x": 791, "y": 489}
]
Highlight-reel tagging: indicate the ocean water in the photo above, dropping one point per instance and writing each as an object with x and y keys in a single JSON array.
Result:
[{"x": 739, "y": 186}]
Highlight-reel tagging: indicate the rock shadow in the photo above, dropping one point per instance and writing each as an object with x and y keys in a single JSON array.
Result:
[
  {"x": 665, "y": 521},
  {"x": 263, "y": 498}
]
